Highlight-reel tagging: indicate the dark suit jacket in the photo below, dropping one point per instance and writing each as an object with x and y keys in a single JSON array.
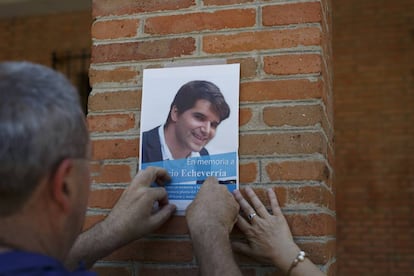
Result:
[{"x": 151, "y": 146}]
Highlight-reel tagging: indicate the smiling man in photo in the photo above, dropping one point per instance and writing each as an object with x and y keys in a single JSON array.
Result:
[{"x": 195, "y": 113}]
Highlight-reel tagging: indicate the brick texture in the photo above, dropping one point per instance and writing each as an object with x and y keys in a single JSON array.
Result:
[
  {"x": 374, "y": 85},
  {"x": 120, "y": 75},
  {"x": 129, "y": 51},
  {"x": 280, "y": 90},
  {"x": 291, "y": 13},
  {"x": 123, "y": 7},
  {"x": 114, "y": 149},
  {"x": 292, "y": 64},
  {"x": 116, "y": 100},
  {"x": 111, "y": 123},
  {"x": 111, "y": 173},
  {"x": 154, "y": 251},
  {"x": 286, "y": 129},
  {"x": 261, "y": 40},
  {"x": 200, "y": 21},
  {"x": 115, "y": 29}
]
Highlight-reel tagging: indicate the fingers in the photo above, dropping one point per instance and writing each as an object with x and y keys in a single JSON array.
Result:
[
  {"x": 210, "y": 181},
  {"x": 242, "y": 224},
  {"x": 274, "y": 202},
  {"x": 257, "y": 204},
  {"x": 158, "y": 194},
  {"x": 211, "y": 185},
  {"x": 244, "y": 205},
  {"x": 144, "y": 178}
]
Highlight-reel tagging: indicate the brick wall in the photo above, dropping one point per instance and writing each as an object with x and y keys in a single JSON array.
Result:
[
  {"x": 285, "y": 113},
  {"x": 374, "y": 116},
  {"x": 34, "y": 38}
]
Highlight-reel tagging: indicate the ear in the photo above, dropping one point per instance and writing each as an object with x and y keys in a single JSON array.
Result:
[
  {"x": 61, "y": 193},
  {"x": 174, "y": 113}
]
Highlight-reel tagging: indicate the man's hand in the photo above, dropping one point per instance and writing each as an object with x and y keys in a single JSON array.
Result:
[
  {"x": 132, "y": 217},
  {"x": 210, "y": 218},
  {"x": 214, "y": 206}
]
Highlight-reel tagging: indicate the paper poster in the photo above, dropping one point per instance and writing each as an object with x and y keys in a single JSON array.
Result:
[{"x": 189, "y": 126}]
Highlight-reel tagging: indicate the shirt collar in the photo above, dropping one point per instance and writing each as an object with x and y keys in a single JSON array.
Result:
[{"x": 166, "y": 153}]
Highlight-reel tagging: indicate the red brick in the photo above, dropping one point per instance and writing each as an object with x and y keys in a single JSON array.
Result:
[
  {"x": 111, "y": 122},
  {"x": 112, "y": 173},
  {"x": 282, "y": 143},
  {"x": 248, "y": 172},
  {"x": 113, "y": 270},
  {"x": 311, "y": 224},
  {"x": 114, "y": 149},
  {"x": 297, "y": 115},
  {"x": 143, "y": 50},
  {"x": 245, "y": 114},
  {"x": 318, "y": 196},
  {"x": 201, "y": 21},
  {"x": 154, "y": 251},
  {"x": 224, "y": 2},
  {"x": 374, "y": 134},
  {"x": 115, "y": 29},
  {"x": 280, "y": 90},
  {"x": 108, "y": 7},
  {"x": 292, "y": 64},
  {"x": 248, "y": 66},
  {"x": 118, "y": 75},
  {"x": 284, "y": 14},
  {"x": 176, "y": 225},
  {"x": 118, "y": 100},
  {"x": 262, "y": 40},
  {"x": 298, "y": 170},
  {"x": 104, "y": 198}
]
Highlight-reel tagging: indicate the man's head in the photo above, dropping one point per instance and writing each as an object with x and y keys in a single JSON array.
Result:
[
  {"x": 43, "y": 137},
  {"x": 196, "y": 111}
]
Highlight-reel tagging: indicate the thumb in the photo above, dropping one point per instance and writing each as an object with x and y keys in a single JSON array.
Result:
[{"x": 210, "y": 181}]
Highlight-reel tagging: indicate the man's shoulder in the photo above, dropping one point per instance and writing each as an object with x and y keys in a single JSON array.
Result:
[
  {"x": 151, "y": 134},
  {"x": 151, "y": 146},
  {"x": 26, "y": 263},
  {"x": 151, "y": 131},
  {"x": 151, "y": 138}
]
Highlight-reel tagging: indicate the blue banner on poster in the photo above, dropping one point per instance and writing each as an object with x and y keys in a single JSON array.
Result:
[{"x": 199, "y": 168}]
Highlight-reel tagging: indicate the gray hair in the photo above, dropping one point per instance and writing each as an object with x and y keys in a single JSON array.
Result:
[{"x": 41, "y": 123}]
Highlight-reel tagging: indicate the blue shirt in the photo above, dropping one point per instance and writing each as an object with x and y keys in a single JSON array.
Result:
[{"x": 33, "y": 264}]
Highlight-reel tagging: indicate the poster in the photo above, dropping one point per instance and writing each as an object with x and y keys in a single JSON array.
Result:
[{"x": 189, "y": 126}]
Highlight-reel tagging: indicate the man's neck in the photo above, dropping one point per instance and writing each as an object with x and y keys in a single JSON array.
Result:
[
  {"x": 16, "y": 234},
  {"x": 29, "y": 229}
]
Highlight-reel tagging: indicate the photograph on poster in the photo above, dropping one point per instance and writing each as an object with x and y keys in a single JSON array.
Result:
[{"x": 189, "y": 126}]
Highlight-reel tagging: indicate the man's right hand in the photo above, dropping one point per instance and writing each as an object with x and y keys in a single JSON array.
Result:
[
  {"x": 214, "y": 206},
  {"x": 210, "y": 218}
]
